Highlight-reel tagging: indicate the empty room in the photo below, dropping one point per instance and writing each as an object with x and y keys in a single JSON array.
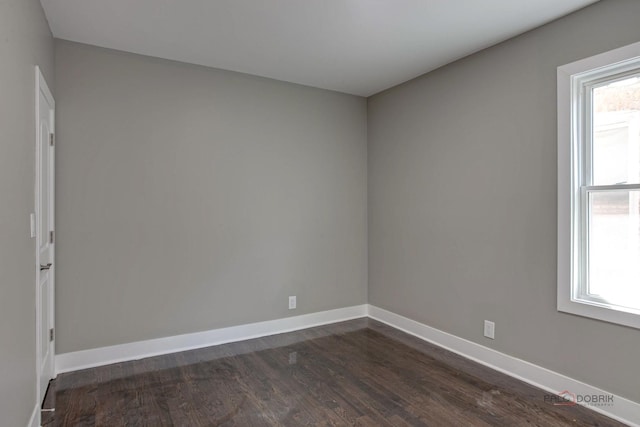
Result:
[{"x": 319, "y": 213}]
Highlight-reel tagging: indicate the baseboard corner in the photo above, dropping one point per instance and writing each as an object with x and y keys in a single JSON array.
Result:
[
  {"x": 91, "y": 358},
  {"x": 623, "y": 410}
]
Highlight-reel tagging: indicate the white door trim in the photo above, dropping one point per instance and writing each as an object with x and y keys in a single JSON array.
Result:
[{"x": 42, "y": 88}]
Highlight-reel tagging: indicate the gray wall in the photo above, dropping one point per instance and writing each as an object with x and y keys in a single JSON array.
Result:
[
  {"x": 190, "y": 198},
  {"x": 462, "y": 200},
  {"x": 25, "y": 41}
]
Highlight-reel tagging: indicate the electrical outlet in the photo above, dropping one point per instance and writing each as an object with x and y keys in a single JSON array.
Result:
[
  {"x": 489, "y": 329},
  {"x": 292, "y": 302}
]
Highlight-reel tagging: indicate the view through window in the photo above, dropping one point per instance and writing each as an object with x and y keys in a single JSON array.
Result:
[{"x": 613, "y": 229}]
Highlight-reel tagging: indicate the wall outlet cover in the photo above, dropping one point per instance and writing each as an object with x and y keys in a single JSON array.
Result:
[{"x": 489, "y": 329}]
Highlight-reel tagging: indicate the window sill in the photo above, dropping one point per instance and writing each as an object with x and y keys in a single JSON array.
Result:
[{"x": 598, "y": 311}]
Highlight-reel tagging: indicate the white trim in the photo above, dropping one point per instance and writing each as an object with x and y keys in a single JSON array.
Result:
[
  {"x": 566, "y": 161},
  {"x": 605, "y": 59},
  {"x": 574, "y": 174},
  {"x": 623, "y": 410},
  {"x": 41, "y": 88},
  {"x": 137, "y": 350},
  {"x": 617, "y": 187},
  {"x": 34, "y": 421}
]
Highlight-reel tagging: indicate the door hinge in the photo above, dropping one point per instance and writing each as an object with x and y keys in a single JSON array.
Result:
[
  {"x": 51, "y": 236},
  {"x": 51, "y": 334},
  {"x": 51, "y": 139}
]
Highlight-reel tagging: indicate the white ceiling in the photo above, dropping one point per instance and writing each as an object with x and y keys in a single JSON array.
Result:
[{"x": 354, "y": 46}]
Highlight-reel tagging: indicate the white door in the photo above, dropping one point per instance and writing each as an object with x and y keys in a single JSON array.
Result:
[{"x": 45, "y": 268}]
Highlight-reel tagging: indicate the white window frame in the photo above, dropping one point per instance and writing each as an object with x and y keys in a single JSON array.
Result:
[{"x": 574, "y": 83}]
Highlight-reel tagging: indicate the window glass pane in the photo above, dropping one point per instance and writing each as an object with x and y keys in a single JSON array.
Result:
[
  {"x": 616, "y": 132},
  {"x": 614, "y": 247}
]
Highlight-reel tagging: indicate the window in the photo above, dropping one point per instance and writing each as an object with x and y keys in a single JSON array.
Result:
[{"x": 599, "y": 187}]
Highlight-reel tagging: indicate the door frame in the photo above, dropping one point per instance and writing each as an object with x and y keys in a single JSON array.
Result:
[{"x": 43, "y": 88}]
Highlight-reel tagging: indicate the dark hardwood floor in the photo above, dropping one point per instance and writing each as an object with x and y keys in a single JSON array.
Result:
[{"x": 359, "y": 372}]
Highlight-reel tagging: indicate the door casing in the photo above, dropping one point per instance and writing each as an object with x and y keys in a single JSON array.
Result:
[{"x": 43, "y": 377}]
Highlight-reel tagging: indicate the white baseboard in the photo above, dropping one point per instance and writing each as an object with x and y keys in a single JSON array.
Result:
[
  {"x": 34, "y": 421},
  {"x": 84, "y": 359},
  {"x": 623, "y": 410}
]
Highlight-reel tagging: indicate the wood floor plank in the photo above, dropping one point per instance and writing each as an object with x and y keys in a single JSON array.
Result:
[{"x": 356, "y": 373}]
